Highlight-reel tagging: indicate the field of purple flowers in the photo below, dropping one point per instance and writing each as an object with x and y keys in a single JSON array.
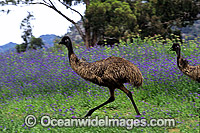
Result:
[{"x": 42, "y": 82}]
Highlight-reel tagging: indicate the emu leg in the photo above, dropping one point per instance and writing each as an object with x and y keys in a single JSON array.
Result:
[
  {"x": 111, "y": 99},
  {"x": 129, "y": 94}
]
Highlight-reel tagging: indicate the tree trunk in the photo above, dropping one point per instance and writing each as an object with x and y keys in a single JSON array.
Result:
[
  {"x": 87, "y": 28},
  {"x": 87, "y": 34},
  {"x": 94, "y": 37}
]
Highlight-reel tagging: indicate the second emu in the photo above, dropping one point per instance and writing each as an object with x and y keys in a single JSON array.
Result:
[
  {"x": 191, "y": 71},
  {"x": 111, "y": 72}
]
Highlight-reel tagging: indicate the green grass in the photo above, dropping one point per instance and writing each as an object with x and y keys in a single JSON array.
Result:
[{"x": 13, "y": 114}]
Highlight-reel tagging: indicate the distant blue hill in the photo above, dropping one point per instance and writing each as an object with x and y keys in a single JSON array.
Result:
[
  {"x": 48, "y": 40},
  {"x": 7, "y": 46}
]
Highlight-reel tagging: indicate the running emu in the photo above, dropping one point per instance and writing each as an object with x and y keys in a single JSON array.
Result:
[
  {"x": 111, "y": 72},
  {"x": 191, "y": 71}
]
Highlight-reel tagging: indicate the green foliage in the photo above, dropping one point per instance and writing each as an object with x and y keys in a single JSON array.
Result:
[
  {"x": 159, "y": 16},
  {"x": 36, "y": 43},
  {"x": 57, "y": 47},
  {"x": 21, "y": 48},
  {"x": 110, "y": 18},
  {"x": 123, "y": 19}
]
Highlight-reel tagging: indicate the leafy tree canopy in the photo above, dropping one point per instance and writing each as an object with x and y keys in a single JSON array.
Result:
[
  {"x": 110, "y": 18},
  {"x": 36, "y": 43},
  {"x": 159, "y": 16}
]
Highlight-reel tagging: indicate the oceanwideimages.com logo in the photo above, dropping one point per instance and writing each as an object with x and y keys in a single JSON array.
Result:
[{"x": 46, "y": 121}]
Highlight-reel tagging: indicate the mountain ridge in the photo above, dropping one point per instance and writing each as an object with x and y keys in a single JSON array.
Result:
[{"x": 47, "y": 39}]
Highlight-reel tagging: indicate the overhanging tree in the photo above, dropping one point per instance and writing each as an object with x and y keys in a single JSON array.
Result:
[{"x": 67, "y": 3}]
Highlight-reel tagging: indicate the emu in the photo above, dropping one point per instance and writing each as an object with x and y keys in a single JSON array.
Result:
[
  {"x": 191, "y": 71},
  {"x": 111, "y": 72}
]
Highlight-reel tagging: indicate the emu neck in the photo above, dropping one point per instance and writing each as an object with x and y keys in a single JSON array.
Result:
[
  {"x": 73, "y": 59},
  {"x": 178, "y": 53},
  {"x": 70, "y": 52},
  {"x": 180, "y": 60}
]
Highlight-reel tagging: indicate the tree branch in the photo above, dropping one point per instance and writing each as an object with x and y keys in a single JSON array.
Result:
[
  {"x": 40, "y": 3},
  {"x": 59, "y": 12},
  {"x": 72, "y": 9},
  {"x": 72, "y": 21},
  {"x": 51, "y": 4}
]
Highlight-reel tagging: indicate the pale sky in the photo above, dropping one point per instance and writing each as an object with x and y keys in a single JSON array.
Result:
[{"x": 47, "y": 21}]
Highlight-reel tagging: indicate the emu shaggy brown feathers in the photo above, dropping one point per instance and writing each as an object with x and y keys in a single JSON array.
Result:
[
  {"x": 111, "y": 72},
  {"x": 191, "y": 71}
]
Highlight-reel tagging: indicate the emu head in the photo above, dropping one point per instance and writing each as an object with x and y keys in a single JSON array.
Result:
[
  {"x": 175, "y": 47},
  {"x": 66, "y": 41}
]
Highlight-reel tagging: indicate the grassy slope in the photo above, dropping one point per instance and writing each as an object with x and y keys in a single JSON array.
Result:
[{"x": 43, "y": 83}]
